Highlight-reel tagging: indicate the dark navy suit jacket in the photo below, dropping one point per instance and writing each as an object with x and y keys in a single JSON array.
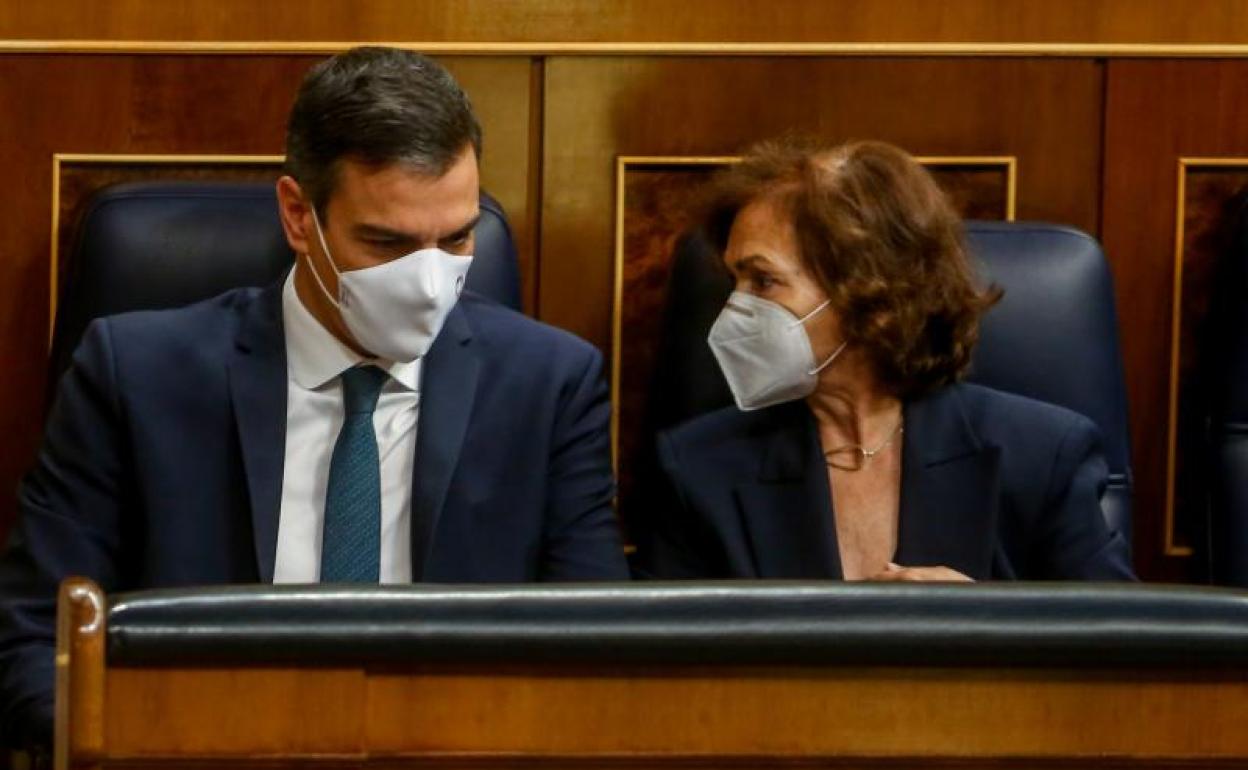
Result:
[
  {"x": 993, "y": 485},
  {"x": 163, "y": 458}
]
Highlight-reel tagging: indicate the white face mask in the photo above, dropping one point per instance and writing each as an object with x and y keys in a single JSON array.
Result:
[
  {"x": 395, "y": 310},
  {"x": 764, "y": 351}
]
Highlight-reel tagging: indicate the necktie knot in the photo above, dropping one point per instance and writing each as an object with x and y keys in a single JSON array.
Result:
[{"x": 361, "y": 386}]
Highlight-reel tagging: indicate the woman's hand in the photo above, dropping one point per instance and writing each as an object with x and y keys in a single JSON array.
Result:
[{"x": 895, "y": 573}]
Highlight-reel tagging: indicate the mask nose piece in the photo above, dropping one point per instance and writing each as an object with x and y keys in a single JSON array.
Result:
[{"x": 428, "y": 284}]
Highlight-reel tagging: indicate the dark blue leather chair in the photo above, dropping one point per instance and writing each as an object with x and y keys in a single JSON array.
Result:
[
  {"x": 1053, "y": 337},
  {"x": 151, "y": 245}
]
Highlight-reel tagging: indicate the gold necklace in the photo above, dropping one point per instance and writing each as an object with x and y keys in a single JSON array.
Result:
[{"x": 860, "y": 454}]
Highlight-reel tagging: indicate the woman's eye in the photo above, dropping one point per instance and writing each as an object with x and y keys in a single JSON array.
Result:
[{"x": 762, "y": 282}]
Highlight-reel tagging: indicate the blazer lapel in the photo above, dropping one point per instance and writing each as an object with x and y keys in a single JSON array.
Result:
[
  {"x": 787, "y": 510},
  {"x": 257, "y": 377},
  {"x": 949, "y": 489},
  {"x": 448, "y": 387}
]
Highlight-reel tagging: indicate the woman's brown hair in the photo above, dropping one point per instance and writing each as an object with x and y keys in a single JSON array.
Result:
[{"x": 882, "y": 240}]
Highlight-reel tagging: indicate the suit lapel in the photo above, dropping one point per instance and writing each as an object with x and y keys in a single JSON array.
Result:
[
  {"x": 257, "y": 377},
  {"x": 948, "y": 489},
  {"x": 787, "y": 510},
  {"x": 448, "y": 387}
]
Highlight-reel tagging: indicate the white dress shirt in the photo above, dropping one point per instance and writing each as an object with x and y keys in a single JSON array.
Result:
[{"x": 315, "y": 359}]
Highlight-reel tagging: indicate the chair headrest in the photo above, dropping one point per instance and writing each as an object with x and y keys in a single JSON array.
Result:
[{"x": 1054, "y": 335}]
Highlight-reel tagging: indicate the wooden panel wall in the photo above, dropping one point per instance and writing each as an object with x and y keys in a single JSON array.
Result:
[
  {"x": 1157, "y": 113},
  {"x": 563, "y": 21},
  {"x": 601, "y": 107},
  {"x": 1097, "y": 137}
]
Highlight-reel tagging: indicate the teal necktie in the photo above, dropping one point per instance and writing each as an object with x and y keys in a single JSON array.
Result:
[{"x": 351, "y": 538}]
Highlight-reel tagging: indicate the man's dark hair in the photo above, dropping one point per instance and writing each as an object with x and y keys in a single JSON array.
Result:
[{"x": 378, "y": 106}]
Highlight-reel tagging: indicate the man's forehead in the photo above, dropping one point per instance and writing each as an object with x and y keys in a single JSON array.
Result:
[
  {"x": 398, "y": 193},
  {"x": 370, "y": 178}
]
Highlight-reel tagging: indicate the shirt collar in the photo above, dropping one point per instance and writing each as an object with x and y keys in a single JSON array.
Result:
[{"x": 314, "y": 356}]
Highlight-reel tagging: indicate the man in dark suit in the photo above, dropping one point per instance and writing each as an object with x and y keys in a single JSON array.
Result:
[{"x": 360, "y": 421}]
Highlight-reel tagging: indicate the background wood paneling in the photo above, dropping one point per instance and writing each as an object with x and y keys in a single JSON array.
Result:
[
  {"x": 198, "y": 105},
  {"x": 1210, "y": 200},
  {"x": 599, "y": 108},
  {"x": 954, "y": 21},
  {"x": 1156, "y": 113}
]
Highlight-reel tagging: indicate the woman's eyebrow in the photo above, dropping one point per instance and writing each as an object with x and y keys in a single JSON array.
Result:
[{"x": 751, "y": 260}]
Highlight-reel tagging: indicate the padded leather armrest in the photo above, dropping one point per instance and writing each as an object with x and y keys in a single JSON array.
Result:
[{"x": 740, "y": 623}]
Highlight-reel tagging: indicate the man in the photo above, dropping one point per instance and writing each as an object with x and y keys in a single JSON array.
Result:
[{"x": 360, "y": 421}]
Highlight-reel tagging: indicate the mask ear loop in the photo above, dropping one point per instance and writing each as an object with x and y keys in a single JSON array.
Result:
[
  {"x": 337, "y": 302},
  {"x": 813, "y": 313},
  {"x": 831, "y": 358},
  {"x": 836, "y": 352}
]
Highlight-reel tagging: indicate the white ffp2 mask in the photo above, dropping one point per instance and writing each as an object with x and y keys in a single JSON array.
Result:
[
  {"x": 395, "y": 310},
  {"x": 764, "y": 352}
]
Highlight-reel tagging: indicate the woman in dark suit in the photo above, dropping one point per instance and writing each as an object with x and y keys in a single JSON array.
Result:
[{"x": 854, "y": 451}]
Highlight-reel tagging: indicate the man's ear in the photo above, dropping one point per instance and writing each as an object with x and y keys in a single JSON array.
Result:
[{"x": 295, "y": 214}]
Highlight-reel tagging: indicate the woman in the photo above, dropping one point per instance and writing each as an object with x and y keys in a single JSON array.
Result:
[{"x": 854, "y": 451}]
